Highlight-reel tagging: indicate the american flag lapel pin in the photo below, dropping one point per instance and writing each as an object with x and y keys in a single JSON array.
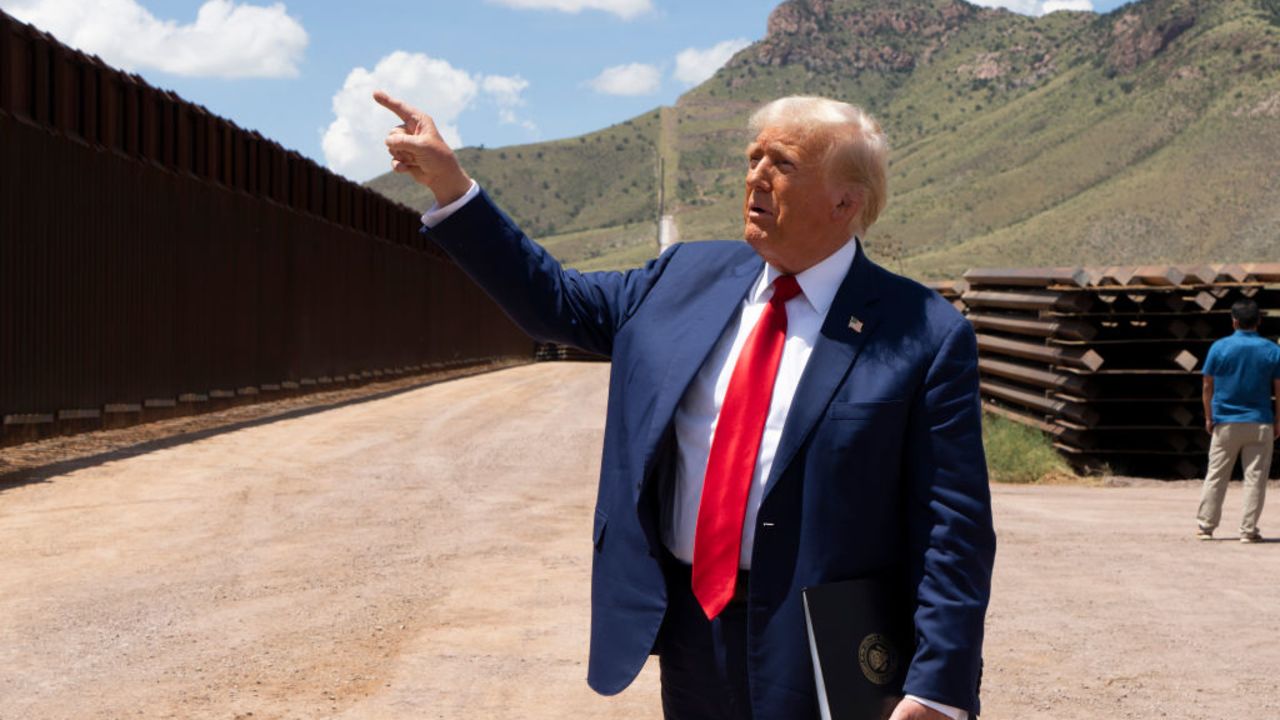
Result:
[{"x": 855, "y": 324}]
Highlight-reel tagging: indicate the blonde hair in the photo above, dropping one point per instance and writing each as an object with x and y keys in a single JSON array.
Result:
[{"x": 857, "y": 150}]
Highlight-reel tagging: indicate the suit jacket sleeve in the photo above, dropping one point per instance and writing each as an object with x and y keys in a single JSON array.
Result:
[
  {"x": 547, "y": 301},
  {"x": 949, "y": 525}
]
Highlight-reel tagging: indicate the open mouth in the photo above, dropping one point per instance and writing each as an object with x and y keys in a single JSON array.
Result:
[{"x": 757, "y": 210}]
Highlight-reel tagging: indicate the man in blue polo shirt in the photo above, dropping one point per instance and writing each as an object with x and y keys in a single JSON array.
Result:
[{"x": 1240, "y": 375}]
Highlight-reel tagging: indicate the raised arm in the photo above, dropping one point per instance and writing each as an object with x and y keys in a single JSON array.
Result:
[{"x": 546, "y": 300}]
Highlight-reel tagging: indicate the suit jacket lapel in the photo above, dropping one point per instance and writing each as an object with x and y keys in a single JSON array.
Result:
[
  {"x": 708, "y": 311},
  {"x": 849, "y": 324}
]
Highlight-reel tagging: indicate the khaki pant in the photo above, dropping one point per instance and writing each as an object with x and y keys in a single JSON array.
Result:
[{"x": 1252, "y": 442}]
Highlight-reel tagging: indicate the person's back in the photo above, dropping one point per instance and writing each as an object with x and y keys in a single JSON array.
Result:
[
  {"x": 1244, "y": 366},
  {"x": 1241, "y": 372}
]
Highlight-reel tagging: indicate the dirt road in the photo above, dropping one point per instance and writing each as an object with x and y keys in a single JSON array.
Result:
[{"x": 426, "y": 556}]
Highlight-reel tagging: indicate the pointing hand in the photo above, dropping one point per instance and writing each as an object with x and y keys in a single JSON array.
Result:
[{"x": 417, "y": 148}]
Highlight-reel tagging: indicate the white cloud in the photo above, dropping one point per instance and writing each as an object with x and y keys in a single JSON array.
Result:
[
  {"x": 1056, "y": 5},
  {"x": 507, "y": 92},
  {"x": 625, "y": 9},
  {"x": 1035, "y": 7},
  {"x": 353, "y": 143},
  {"x": 227, "y": 39},
  {"x": 694, "y": 65},
  {"x": 633, "y": 79}
]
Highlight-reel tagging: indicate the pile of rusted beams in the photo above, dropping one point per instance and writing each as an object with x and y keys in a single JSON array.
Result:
[
  {"x": 1107, "y": 360},
  {"x": 952, "y": 291}
]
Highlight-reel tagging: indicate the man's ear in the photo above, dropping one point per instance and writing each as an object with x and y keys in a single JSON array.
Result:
[{"x": 848, "y": 204}]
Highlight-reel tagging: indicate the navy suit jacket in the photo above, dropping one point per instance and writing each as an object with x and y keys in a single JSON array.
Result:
[{"x": 880, "y": 465}]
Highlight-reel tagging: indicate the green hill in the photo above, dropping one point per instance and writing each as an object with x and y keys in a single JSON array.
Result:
[
  {"x": 1148, "y": 134},
  {"x": 589, "y": 199}
]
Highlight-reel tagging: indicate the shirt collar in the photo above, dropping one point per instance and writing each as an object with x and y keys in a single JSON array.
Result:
[{"x": 819, "y": 283}]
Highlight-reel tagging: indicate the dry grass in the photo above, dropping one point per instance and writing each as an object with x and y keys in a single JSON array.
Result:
[{"x": 1020, "y": 454}]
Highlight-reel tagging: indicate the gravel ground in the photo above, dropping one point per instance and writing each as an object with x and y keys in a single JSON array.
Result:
[{"x": 426, "y": 554}]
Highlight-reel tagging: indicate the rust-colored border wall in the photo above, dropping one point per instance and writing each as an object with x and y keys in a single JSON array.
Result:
[{"x": 153, "y": 254}]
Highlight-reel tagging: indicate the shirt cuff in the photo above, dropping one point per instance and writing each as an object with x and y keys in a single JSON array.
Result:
[
  {"x": 437, "y": 214},
  {"x": 951, "y": 712}
]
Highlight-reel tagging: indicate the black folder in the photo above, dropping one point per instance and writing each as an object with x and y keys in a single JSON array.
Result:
[{"x": 862, "y": 638}]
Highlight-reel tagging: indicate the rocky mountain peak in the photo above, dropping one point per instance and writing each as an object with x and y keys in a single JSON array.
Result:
[
  {"x": 1145, "y": 30},
  {"x": 860, "y": 35}
]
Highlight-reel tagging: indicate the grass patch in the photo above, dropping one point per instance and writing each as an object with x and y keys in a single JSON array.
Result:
[
  {"x": 1020, "y": 454},
  {"x": 621, "y": 259},
  {"x": 595, "y": 249}
]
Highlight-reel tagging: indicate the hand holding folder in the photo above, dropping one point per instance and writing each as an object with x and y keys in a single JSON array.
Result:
[{"x": 861, "y": 638}]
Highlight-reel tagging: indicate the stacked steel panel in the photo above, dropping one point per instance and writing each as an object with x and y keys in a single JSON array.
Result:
[
  {"x": 952, "y": 291},
  {"x": 1107, "y": 360},
  {"x": 155, "y": 258}
]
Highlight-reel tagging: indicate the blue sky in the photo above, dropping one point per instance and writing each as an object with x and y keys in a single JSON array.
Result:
[{"x": 496, "y": 72}]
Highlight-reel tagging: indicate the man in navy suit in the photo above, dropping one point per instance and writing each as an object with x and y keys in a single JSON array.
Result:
[{"x": 782, "y": 413}]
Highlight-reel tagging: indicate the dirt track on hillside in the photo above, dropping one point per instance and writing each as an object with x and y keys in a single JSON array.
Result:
[{"x": 427, "y": 555}]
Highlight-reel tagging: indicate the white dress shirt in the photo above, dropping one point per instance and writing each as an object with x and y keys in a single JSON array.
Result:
[
  {"x": 699, "y": 409},
  {"x": 695, "y": 419}
]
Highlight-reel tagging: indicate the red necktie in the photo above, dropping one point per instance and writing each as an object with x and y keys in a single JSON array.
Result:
[{"x": 717, "y": 540}]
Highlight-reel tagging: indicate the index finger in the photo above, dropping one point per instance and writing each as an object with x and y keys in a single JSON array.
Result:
[{"x": 406, "y": 112}]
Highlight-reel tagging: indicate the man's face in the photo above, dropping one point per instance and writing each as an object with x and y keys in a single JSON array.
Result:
[{"x": 792, "y": 211}]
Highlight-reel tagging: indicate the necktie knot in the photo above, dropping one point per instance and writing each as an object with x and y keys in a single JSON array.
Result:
[{"x": 785, "y": 287}]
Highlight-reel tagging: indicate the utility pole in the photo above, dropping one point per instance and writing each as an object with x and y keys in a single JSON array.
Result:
[{"x": 662, "y": 189}]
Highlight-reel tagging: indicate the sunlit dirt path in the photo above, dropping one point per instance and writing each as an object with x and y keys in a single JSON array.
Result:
[{"x": 426, "y": 555}]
